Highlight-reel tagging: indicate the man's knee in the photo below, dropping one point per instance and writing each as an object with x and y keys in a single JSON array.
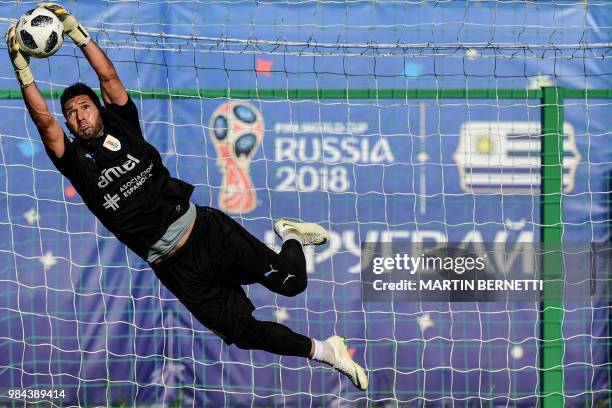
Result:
[
  {"x": 251, "y": 337},
  {"x": 243, "y": 344},
  {"x": 289, "y": 280},
  {"x": 297, "y": 286}
]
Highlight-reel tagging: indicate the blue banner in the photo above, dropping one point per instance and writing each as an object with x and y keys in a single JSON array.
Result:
[{"x": 83, "y": 314}]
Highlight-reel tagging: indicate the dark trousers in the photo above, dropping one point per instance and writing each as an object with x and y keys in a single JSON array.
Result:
[{"x": 206, "y": 275}]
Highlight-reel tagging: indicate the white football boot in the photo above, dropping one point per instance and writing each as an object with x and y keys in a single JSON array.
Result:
[
  {"x": 309, "y": 232},
  {"x": 345, "y": 364}
]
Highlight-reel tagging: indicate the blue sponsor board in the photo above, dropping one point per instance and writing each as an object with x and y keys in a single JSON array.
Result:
[{"x": 81, "y": 312}]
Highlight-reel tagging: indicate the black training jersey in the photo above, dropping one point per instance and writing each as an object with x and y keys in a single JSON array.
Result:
[{"x": 122, "y": 180}]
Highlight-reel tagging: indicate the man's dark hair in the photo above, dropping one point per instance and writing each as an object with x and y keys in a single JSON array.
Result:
[{"x": 79, "y": 89}]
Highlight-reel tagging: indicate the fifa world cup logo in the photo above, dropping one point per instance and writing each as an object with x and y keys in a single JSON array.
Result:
[{"x": 236, "y": 129}]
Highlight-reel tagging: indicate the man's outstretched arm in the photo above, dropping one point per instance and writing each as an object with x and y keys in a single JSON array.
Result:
[
  {"x": 110, "y": 84},
  {"x": 50, "y": 131}
]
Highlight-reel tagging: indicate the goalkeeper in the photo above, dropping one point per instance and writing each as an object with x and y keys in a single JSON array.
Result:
[{"x": 199, "y": 253}]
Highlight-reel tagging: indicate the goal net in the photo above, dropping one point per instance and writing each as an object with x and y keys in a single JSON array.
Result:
[{"x": 383, "y": 121}]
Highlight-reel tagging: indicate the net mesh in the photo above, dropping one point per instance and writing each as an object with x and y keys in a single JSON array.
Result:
[{"x": 382, "y": 121}]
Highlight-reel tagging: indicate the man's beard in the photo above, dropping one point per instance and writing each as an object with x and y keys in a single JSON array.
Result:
[{"x": 92, "y": 132}]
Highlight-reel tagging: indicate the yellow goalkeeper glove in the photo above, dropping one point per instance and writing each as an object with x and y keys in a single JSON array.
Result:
[
  {"x": 19, "y": 59},
  {"x": 72, "y": 28}
]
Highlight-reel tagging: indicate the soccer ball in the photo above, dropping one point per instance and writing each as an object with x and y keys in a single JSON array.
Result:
[{"x": 40, "y": 33}]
